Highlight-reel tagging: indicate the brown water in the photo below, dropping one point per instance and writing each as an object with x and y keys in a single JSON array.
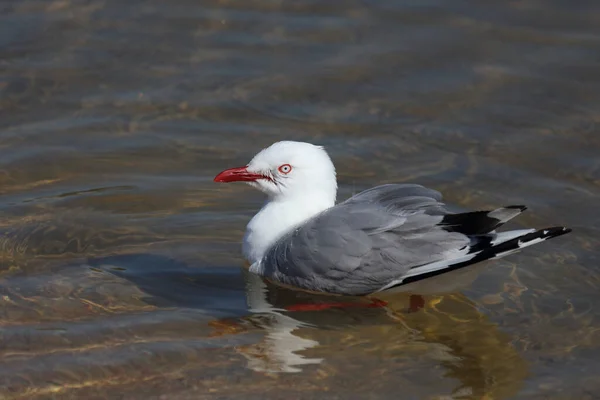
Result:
[{"x": 120, "y": 266}]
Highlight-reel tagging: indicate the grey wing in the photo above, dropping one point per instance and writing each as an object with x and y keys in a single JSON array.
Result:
[
  {"x": 365, "y": 243},
  {"x": 402, "y": 198}
]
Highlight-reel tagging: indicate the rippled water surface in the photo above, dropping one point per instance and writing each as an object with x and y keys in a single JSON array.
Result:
[{"x": 120, "y": 266}]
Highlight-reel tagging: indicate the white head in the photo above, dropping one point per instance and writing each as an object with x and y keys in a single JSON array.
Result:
[{"x": 287, "y": 170}]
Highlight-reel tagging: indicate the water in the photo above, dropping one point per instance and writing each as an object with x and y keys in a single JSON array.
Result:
[{"x": 121, "y": 273}]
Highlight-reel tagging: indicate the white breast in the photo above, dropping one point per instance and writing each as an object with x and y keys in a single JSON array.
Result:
[{"x": 274, "y": 220}]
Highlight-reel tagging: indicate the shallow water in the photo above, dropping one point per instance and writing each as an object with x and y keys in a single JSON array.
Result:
[{"x": 120, "y": 267}]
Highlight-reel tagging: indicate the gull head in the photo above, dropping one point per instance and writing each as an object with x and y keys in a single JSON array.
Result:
[{"x": 287, "y": 170}]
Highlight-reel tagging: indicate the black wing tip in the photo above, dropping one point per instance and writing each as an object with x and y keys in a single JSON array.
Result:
[
  {"x": 517, "y": 207},
  {"x": 544, "y": 234},
  {"x": 555, "y": 231}
]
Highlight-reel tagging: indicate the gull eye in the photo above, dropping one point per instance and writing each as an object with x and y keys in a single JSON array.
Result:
[{"x": 285, "y": 169}]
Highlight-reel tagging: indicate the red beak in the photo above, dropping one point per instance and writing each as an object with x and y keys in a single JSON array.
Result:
[{"x": 239, "y": 174}]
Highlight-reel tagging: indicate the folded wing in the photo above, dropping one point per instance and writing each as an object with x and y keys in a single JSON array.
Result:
[{"x": 363, "y": 244}]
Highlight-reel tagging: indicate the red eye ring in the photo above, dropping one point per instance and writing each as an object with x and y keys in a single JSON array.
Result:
[{"x": 285, "y": 169}]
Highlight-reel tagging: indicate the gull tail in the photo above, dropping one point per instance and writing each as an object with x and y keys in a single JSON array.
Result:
[{"x": 484, "y": 247}]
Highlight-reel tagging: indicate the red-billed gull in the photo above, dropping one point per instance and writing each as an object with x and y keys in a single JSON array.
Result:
[{"x": 383, "y": 237}]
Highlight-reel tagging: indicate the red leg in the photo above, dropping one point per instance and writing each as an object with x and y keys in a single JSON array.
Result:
[
  {"x": 375, "y": 303},
  {"x": 416, "y": 303}
]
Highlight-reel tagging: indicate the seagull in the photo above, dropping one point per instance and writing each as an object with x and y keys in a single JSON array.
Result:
[{"x": 381, "y": 238}]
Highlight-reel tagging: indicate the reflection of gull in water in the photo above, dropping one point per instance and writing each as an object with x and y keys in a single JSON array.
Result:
[
  {"x": 279, "y": 350},
  {"x": 435, "y": 344},
  {"x": 443, "y": 330}
]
